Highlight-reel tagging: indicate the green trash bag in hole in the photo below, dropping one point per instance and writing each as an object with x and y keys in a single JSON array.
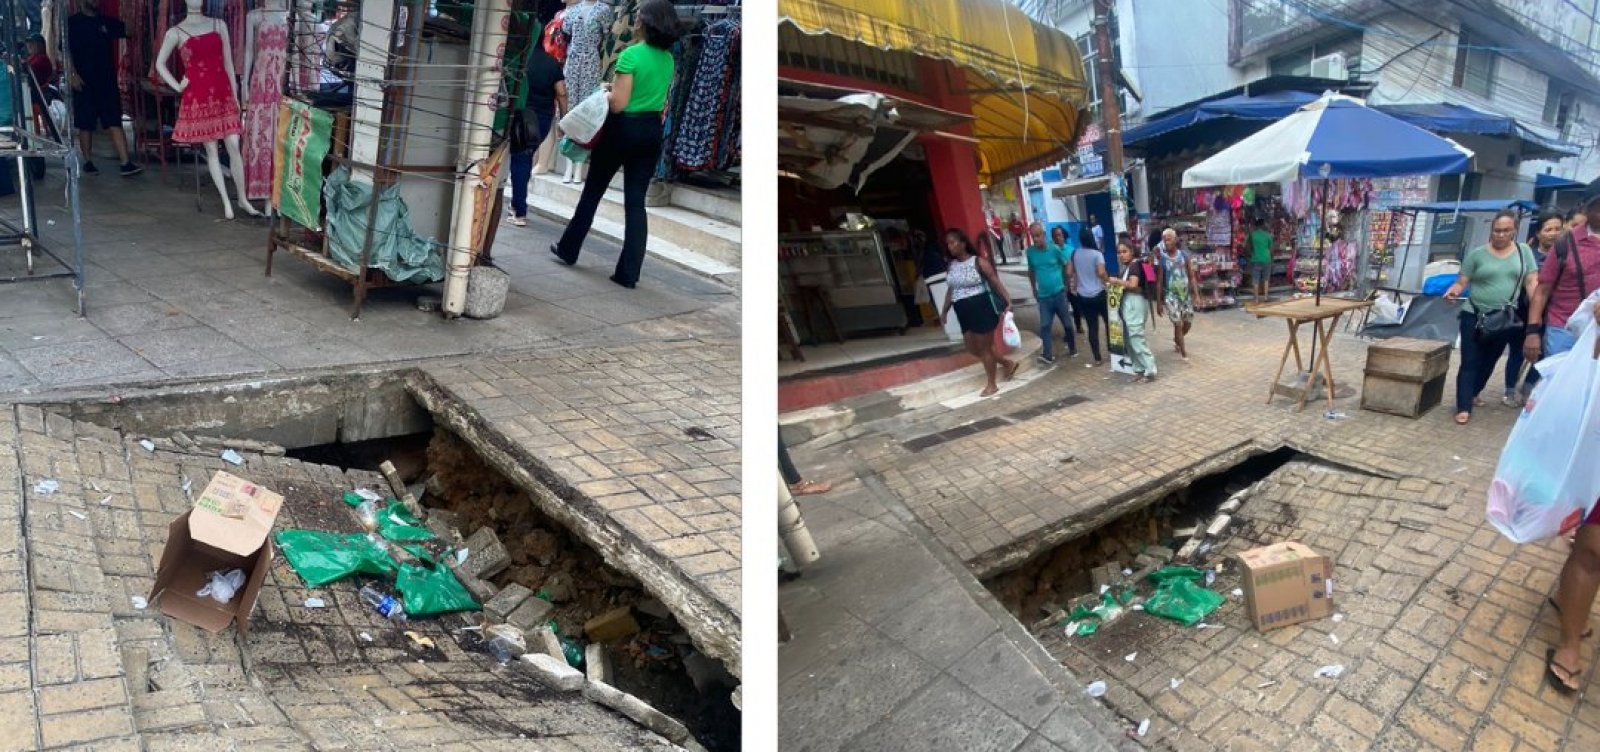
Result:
[
  {"x": 398, "y": 524},
  {"x": 321, "y": 557},
  {"x": 431, "y": 590},
  {"x": 1181, "y": 600}
]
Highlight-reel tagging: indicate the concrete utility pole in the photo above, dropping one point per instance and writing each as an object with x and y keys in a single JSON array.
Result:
[{"x": 1110, "y": 112}]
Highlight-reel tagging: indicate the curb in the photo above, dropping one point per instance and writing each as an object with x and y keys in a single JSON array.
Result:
[{"x": 835, "y": 420}]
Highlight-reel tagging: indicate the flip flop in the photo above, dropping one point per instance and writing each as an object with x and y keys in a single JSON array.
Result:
[
  {"x": 1556, "y": 607},
  {"x": 1550, "y": 676},
  {"x": 1462, "y": 418},
  {"x": 988, "y": 392},
  {"x": 810, "y": 487}
]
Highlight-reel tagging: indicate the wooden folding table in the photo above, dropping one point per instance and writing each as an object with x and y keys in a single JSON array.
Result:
[{"x": 1324, "y": 318}]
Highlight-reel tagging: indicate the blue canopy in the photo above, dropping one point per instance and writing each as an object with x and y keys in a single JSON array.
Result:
[
  {"x": 1437, "y": 117},
  {"x": 1543, "y": 181},
  {"x": 1480, "y": 206},
  {"x": 1333, "y": 137}
]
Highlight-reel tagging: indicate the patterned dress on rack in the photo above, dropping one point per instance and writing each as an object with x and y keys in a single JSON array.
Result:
[
  {"x": 694, "y": 148},
  {"x": 261, "y": 111},
  {"x": 208, "y": 110},
  {"x": 588, "y": 24}
]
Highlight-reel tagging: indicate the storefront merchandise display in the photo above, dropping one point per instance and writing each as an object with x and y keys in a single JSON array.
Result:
[
  {"x": 265, "y": 57},
  {"x": 208, "y": 112}
]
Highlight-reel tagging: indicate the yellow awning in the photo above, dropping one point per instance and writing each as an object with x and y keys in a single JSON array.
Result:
[{"x": 1026, "y": 80}]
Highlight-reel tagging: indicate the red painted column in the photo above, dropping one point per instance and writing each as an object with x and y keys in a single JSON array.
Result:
[{"x": 952, "y": 163}]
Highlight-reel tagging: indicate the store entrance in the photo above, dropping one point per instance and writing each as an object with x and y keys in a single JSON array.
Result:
[{"x": 851, "y": 266}]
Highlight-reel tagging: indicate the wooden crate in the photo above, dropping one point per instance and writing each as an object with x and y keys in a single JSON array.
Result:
[
  {"x": 1401, "y": 396},
  {"x": 1408, "y": 359}
]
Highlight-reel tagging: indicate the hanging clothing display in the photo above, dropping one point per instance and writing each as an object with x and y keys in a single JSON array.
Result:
[
  {"x": 704, "y": 120},
  {"x": 208, "y": 110},
  {"x": 587, "y": 24},
  {"x": 261, "y": 111}
]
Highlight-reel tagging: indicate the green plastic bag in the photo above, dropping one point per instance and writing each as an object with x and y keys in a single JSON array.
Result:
[
  {"x": 1180, "y": 599},
  {"x": 398, "y": 524},
  {"x": 1084, "y": 621},
  {"x": 320, "y": 557},
  {"x": 569, "y": 647},
  {"x": 427, "y": 591},
  {"x": 1169, "y": 573}
]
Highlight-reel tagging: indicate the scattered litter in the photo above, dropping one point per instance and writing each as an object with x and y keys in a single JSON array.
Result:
[
  {"x": 1456, "y": 457},
  {"x": 1338, "y": 618},
  {"x": 232, "y": 457},
  {"x": 1097, "y": 689},
  {"x": 1333, "y": 637},
  {"x": 461, "y": 556},
  {"x": 36, "y": 339},
  {"x": 1265, "y": 684},
  {"x": 1144, "y": 727},
  {"x": 1136, "y": 607},
  {"x": 1176, "y": 683},
  {"x": 52, "y": 223},
  {"x": 106, "y": 501},
  {"x": 222, "y": 585},
  {"x": 368, "y": 494},
  {"x": 1211, "y": 577},
  {"x": 1129, "y": 657},
  {"x": 1332, "y": 415},
  {"x": 1330, "y": 672},
  {"x": 365, "y": 637},
  {"x": 1104, "y": 588},
  {"x": 188, "y": 487},
  {"x": 47, "y": 487},
  {"x": 1127, "y": 572},
  {"x": 1203, "y": 625},
  {"x": 78, "y": 514},
  {"x": 505, "y": 642},
  {"x": 149, "y": 446},
  {"x": 418, "y": 640},
  {"x": 140, "y": 603},
  {"x": 316, "y": 603},
  {"x": 1238, "y": 592},
  {"x": 1071, "y": 628}
]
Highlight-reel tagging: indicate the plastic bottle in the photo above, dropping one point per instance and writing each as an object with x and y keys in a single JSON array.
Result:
[{"x": 386, "y": 605}]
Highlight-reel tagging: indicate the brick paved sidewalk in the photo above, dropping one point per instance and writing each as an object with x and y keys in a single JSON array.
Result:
[
  {"x": 896, "y": 647},
  {"x": 85, "y": 669},
  {"x": 1446, "y": 623}
]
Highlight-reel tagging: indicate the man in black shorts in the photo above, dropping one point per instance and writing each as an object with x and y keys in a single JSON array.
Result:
[{"x": 96, "y": 103}]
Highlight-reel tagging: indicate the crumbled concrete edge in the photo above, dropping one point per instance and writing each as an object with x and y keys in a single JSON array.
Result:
[
  {"x": 714, "y": 628},
  {"x": 636, "y": 709},
  {"x": 553, "y": 673}
]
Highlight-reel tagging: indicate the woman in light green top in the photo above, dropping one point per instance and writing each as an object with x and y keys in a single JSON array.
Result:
[
  {"x": 1497, "y": 274},
  {"x": 630, "y": 141}
]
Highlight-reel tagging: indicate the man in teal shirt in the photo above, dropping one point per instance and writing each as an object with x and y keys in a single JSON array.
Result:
[
  {"x": 1260, "y": 259},
  {"x": 1047, "y": 264}
]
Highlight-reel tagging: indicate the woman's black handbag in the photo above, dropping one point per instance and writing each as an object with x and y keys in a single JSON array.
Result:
[
  {"x": 1507, "y": 319},
  {"x": 517, "y": 133}
]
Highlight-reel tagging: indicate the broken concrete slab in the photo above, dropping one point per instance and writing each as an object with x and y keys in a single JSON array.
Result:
[
  {"x": 1218, "y": 525},
  {"x": 637, "y": 709},
  {"x": 1161, "y": 553},
  {"x": 543, "y": 639},
  {"x": 596, "y": 664},
  {"x": 554, "y": 672},
  {"x": 653, "y": 608},
  {"x": 506, "y": 601},
  {"x": 531, "y": 614},
  {"x": 482, "y": 590},
  {"x": 1106, "y": 575},
  {"x": 613, "y": 625},
  {"x": 445, "y": 524},
  {"x": 486, "y": 555}
]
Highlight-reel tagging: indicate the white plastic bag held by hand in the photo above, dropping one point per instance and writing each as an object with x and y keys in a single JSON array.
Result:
[
  {"x": 223, "y": 585},
  {"x": 583, "y": 123},
  {"x": 1547, "y": 479},
  {"x": 1581, "y": 318},
  {"x": 1009, "y": 333}
]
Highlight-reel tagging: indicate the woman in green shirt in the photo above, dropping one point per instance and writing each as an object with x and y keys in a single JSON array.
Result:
[
  {"x": 1497, "y": 273},
  {"x": 630, "y": 141}
]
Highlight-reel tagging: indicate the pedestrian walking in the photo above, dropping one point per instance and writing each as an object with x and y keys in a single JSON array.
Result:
[
  {"x": 798, "y": 485},
  {"x": 1133, "y": 312},
  {"x": 630, "y": 140},
  {"x": 1546, "y": 231},
  {"x": 974, "y": 289},
  {"x": 547, "y": 97},
  {"x": 1175, "y": 288},
  {"x": 1497, "y": 273},
  {"x": 1047, "y": 274},
  {"x": 1260, "y": 259},
  {"x": 1089, "y": 285},
  {"x": 97, "y": 105},
  {"x": 1097, "y": 232},
  {"x": 1563, "y": 284}
]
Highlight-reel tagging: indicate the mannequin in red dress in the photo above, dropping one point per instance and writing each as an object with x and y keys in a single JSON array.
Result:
[{"x": 209, "y": 109}]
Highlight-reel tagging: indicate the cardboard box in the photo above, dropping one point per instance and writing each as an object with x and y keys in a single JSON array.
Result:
[
  {"x": 1286, "y": 583},
  {"x": 228, "y": 528}
]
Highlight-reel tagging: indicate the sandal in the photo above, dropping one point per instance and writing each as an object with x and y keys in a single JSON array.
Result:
[
  {"x": 1011, "y": 370},
  {"x": 1462, "y": 418},
  {"x": 809, "y": 487},
  {"x": 988, "y": 391},
  {"x": 1555, "y": 680},
  {"x": 1556, "y": 607}
]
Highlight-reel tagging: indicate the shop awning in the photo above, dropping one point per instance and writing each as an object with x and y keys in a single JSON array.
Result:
[
  {"x": 1546, "y": 182},
  {"x": 1025, "y": 80},
  {"x": 1454, "y": 118},
  {"x": 1080, "y": 187},
  {"x": 1481, "y": 206}
]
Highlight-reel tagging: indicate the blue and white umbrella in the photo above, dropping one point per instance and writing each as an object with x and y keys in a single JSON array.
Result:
[{"x": 1334, "y": 137}]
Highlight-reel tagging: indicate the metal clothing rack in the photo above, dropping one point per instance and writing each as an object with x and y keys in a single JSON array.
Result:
[{"x": 22, "y": 140}]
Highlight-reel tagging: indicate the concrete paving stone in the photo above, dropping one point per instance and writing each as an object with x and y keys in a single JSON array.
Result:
[
  {"x": 85, "y": 362},
  {"x": 141, "y": 318},
  {"x": 826, "y": 707},
  {"x": 169, "y": 348},
  {"x": 923, "y": 723},
  {"x": 996, "y": 671}
]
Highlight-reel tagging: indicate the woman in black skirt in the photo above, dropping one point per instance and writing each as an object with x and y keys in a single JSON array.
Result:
[{"x": 980, "y": 299}]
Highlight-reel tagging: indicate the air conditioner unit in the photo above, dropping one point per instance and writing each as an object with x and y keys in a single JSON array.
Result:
[{"x": 1330, "y": 66}]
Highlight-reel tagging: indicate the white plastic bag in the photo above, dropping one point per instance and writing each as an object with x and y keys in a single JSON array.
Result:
[
  {"x": 1584, "y": 316},
  {"x": 1546, "y": 481},
  {"x": 583, "y": 123},
  {"x": 222, "y": 585},
  {"x": 1009, "y": 333}
]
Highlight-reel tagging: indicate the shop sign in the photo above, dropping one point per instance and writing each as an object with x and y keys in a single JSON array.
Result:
[{"x": 1090, "y": 164}]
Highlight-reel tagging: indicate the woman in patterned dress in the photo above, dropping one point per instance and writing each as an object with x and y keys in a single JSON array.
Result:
[{"x": 587, "y": 22}]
